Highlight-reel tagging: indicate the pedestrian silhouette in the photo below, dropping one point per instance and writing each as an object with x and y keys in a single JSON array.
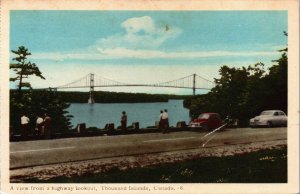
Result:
[{"x": 123, "y": 121}]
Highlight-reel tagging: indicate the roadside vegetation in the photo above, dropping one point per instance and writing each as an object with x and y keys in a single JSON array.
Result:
[
  {"x": 34, "y": 103},
  {"x": 244, "y": 92},
  {"x": 265, "y": 166},
  {"x": 37, "y": 103}
]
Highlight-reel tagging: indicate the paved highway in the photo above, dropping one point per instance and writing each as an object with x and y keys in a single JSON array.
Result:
[{"x": 35, "y": 153}]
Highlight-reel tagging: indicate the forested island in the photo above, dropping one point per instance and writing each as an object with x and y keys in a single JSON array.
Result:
[{"x": 116, "y": 97}]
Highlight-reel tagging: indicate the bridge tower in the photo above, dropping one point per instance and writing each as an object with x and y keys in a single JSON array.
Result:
[
  {"x": 194, "y": 84},
  {"x": 91, "y": 98}
]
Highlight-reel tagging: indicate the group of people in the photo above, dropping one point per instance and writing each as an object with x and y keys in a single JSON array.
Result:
[
  {"x": 42, "y": 125},
  {"x": 164, "y": 121}
]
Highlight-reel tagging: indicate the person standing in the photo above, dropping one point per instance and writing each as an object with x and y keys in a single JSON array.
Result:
[
  {"x": 123, "y": 120},
  {"x": 165, "y": 121},
  {"x": 39, "y": 126},
  {"x": 24, "y": 126},
  {"x": 160, "y": 124},
  {"x": 47, "y": 125}
]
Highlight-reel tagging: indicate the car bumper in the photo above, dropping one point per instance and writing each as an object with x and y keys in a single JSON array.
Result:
[
  {"x": 195, "y": 125},
  {"x": 258, "y": 123}
]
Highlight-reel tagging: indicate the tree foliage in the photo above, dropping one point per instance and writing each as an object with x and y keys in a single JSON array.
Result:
[
  {"x": 23, "y": 68},
  {"x": 34, "y": 103},
  {"x": 37, "y": 103}
]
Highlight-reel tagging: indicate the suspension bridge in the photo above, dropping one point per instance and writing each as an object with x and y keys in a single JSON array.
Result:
[{"x": 92, "y": 81}]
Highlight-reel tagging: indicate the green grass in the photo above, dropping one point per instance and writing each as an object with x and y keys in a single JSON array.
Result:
[{"x": 267, "y": 166}]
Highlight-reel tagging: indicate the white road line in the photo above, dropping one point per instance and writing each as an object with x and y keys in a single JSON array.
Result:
[
  {"x": 49, "y": 149},
  {"x": 173, "y": 139}
]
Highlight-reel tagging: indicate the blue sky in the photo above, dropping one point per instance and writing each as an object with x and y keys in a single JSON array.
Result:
[{"x": 145, "y": 46}]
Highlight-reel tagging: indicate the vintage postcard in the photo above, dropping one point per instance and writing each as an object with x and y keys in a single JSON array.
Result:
[{"x": 135, "y": 96}]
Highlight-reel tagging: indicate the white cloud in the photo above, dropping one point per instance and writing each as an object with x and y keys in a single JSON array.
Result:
[
  {"x": 140, "y": 33},
  {"x": 124, "y": 53},
  {"x": 142, "y": 39},
  {"x": 279, "y": 47},
  {"x": 154, "y": 54},
  {"x": 134, "y": 25}
]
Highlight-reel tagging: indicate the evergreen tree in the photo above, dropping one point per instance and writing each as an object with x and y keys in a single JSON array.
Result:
[{"x": 23, "y": 68}]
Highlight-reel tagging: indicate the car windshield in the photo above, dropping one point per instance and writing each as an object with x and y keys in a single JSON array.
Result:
[
  {"x": 267, "y": 113},
  {"x": 203, "y": 116}
]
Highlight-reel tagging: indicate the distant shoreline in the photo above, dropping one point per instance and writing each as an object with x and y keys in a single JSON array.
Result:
[{"x": 112, "y": 97}]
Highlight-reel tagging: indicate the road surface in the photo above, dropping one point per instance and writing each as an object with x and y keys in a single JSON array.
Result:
[{"x": 36, "y": 153}]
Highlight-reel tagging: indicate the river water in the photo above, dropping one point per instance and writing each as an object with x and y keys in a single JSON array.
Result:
[{"x": 98, "y": 114}]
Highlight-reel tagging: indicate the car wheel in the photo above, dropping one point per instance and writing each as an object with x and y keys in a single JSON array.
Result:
[
  {"x": 205, "y": 127},
  {"x": 284, "y": 124},
  {"x": 269, "y": 124}
]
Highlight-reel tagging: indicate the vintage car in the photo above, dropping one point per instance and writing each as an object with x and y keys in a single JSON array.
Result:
[
  {"x": 207, "y": 121},
  {"x": 269, "y": 118}
]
